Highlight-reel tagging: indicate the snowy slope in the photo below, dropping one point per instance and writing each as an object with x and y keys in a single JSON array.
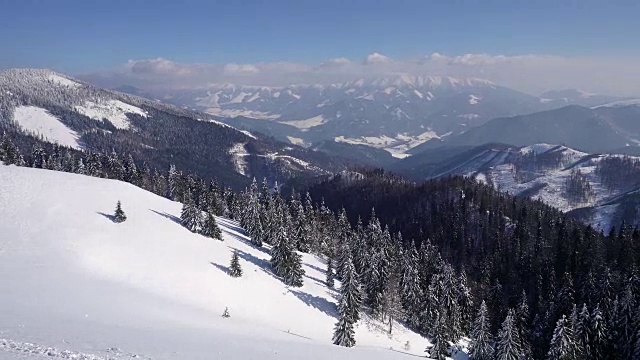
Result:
[
  {"x": 40, "y": 122},
  {"x": 72, "y": 279},
  {"x": 113, "y": 110}
]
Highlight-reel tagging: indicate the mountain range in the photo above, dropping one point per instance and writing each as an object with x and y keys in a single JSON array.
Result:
[
  {"x": 59, "y": 109},
  {"x": 395, "y": 113}
]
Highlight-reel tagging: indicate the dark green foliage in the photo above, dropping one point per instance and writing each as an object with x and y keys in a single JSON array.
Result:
[{"x": 119, "y": 215}]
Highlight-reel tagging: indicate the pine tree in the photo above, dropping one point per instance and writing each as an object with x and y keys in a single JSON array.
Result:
[
  {"x": 285, "y": 261},
  {"x": 210, "y": 227},
  {"x": 563, "y": 343},
  {"x": 481, "y": 347},
  {"x": 119, "y": 215},
  {"x": 226, "y": 314},
  {"x": 508, "y": 341},
  {"x": 330, "y": 274},
  {"x": 191, "y": 216},
  {"x": 234, "y": 269},
  {"x": 348, "y": 308}
]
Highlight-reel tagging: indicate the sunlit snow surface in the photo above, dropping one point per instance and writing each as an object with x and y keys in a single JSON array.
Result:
[
  {"x": 40, "y": 122},
  {"x": 113, "y": 110},
  {"x": 73, "y": 280}
]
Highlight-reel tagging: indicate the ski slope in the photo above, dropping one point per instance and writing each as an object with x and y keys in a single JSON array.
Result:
[{"x": 75, "y": 283}]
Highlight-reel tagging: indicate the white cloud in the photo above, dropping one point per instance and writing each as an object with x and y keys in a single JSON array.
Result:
[
  {"x": 376, "y": 58},
  {"x": 240, "y": 69},
  {"x": 531, "y": 73}
]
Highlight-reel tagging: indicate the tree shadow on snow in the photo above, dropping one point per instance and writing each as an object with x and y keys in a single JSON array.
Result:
[
  {"x": 222, "y": 268},
  {"x": 322, "y": 271},
  {"x": 315, "y": 279},
  {"x": 232, "y": 226},
  {"x": 264, "y": 265},
  {"x": 317, "y": 302},
  {"x": 108, "y": 216},
  {"x": 168, "y": 216}
]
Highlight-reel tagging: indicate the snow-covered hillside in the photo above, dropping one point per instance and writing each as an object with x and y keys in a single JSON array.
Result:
[{"x": 72, "y": 280}]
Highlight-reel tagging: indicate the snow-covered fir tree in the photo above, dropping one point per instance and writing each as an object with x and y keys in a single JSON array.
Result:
[
  {"x": 508, "y": 341},
  {"x": 599, "y": 335},
  {"x": 119, "y": 215},
  {"x": 285, "y": 261},
  {"x": 235, "y": 270},
  {"x": 481, "y": 347},
  {"x": 440, "y": 345},
  {"x": 582, "y": 332},
  {"x": 191, "y": 216},
  {"x": 330, "y": 274},
  {"x": 210, "y": 227},
  {"x": 348, "y": 308},
  {"x": 563, "y": 342}
]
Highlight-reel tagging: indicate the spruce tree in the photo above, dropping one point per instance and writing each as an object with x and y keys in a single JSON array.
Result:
[
  {"x": 508, "y": 341},
  {"x": 581, "y": 329},
  {"x": 191, "y": 216},
  {"x": 235, "y": 270},
  {"x": 348, "y": 308},
  {"x": 563, "y": 344},
  {"x": 210, "y": 227},
  {"x": 440, "y": 347},
  {"x": 599, "y": 335},
  {"x": 119, "y": 215},
  {"x": 330, "y": 274},
  {"x": 481, "y": 347}
]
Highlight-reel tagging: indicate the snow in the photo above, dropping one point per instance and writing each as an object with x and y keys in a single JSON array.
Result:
[
  {"x": 620, "y": 103},
  {"x": 396, "y": 146},
  {"x": 253, "y": 114},
  {"x": 239, "y": 98},
  {"x": 62, "y": 81},
  {"x": 469, "y": 116},
  {"x": 113, "y": 110},
  {"x": 83, "y": 287},
  {"x": 306, "y": 123},
  {"x": 248, "y": 134},
  {"x": 473, "y": 99},
  {"x": 537, "y": 148},
  {"x": 39, "y": 121},
  {"x": 254, "y": 97},
  {"x": 238, "y": 153},
  {"x": 295, "y": 140}
]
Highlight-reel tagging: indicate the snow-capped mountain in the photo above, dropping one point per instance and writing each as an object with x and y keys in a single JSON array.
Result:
[
  {"x": 76, "y": 285},
  {"x": 394, "y": 112},
  {"x": 59, "y": 109},
  {"x": 577, "y": 97},
  {"x": 594, "y": 187}
]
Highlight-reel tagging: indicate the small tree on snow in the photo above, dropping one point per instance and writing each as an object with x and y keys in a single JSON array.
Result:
[
  {"x": 348, "y": 308},
  {"x": 119, "y": 215},
  {"x": 225, "y": 314},
  {"x": 234, "y": 269},
  {"x": 210, "y": 227},
  {"x": 330, "y": 274},
  {"x": 191, "y": 216}
]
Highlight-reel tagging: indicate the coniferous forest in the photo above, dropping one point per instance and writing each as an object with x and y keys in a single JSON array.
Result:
[{"x": 451, "y": 258}]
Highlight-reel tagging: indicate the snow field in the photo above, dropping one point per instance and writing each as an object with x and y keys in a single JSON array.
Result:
[
  {"x": 74, "y": 280},
  {"x": 39, "y": 121}
]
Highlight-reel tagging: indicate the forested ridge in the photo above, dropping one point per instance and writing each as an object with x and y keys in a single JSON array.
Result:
[{"x": 451, "y": 258}]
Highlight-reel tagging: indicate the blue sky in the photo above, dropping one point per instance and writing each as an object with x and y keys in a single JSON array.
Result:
[{"x": 84, "y": 36}]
